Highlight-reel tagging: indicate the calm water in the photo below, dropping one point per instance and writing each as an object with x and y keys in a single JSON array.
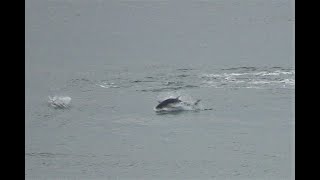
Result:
[{"x": 117, "y": 59}]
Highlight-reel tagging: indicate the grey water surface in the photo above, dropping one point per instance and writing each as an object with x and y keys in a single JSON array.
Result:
[{"x": 117, "y": 59}]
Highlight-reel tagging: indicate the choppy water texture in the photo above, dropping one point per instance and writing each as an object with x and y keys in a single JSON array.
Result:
[
  {"x": 236, "y": 77},
  {"x": 117, "y": 60}
]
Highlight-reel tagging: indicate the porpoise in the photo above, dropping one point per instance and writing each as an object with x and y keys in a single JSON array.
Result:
[{"x": 168, "y": 102}]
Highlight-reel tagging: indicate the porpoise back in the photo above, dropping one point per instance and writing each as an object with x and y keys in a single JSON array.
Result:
[{"x": 167, "y": 102}]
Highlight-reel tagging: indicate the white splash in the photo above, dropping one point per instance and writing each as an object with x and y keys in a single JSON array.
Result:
[{"x": 59, "y": 101}]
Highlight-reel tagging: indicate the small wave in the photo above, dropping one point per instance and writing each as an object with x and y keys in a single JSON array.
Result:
[
  {"x": 162, "y": 89},
  {"x": 184, "y": 69},
  {"x": 140, "y": 81},
  {"x": 276, "y": 67},
  {"x": 173, "y": 83},
  {"x": 82, "y": 84},
  {"x": 241, "y": 68},
  {"x": 276, "y": 73},
  {"x": 288, "y": 81},
  {"x": 78, "y": 80},
  {"x": 254, "y": 87},
  {"x": 191, "y": 86},
  {"x": 169, "y": 88},
  {"x": 213, "y": 75},
  {"x": 108, "y": 85},
  {"x": 259, "y": 82},
  {"x": 45, "y": 154},
  {"x": 165, "y": 89},
  {"x": 182, "y": 75}
]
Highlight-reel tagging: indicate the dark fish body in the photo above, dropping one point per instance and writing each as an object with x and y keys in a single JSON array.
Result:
[{"x": 167, "y": 102}]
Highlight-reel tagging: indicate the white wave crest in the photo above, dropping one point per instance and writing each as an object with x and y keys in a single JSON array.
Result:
[{"x": 261, "y": 73}]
